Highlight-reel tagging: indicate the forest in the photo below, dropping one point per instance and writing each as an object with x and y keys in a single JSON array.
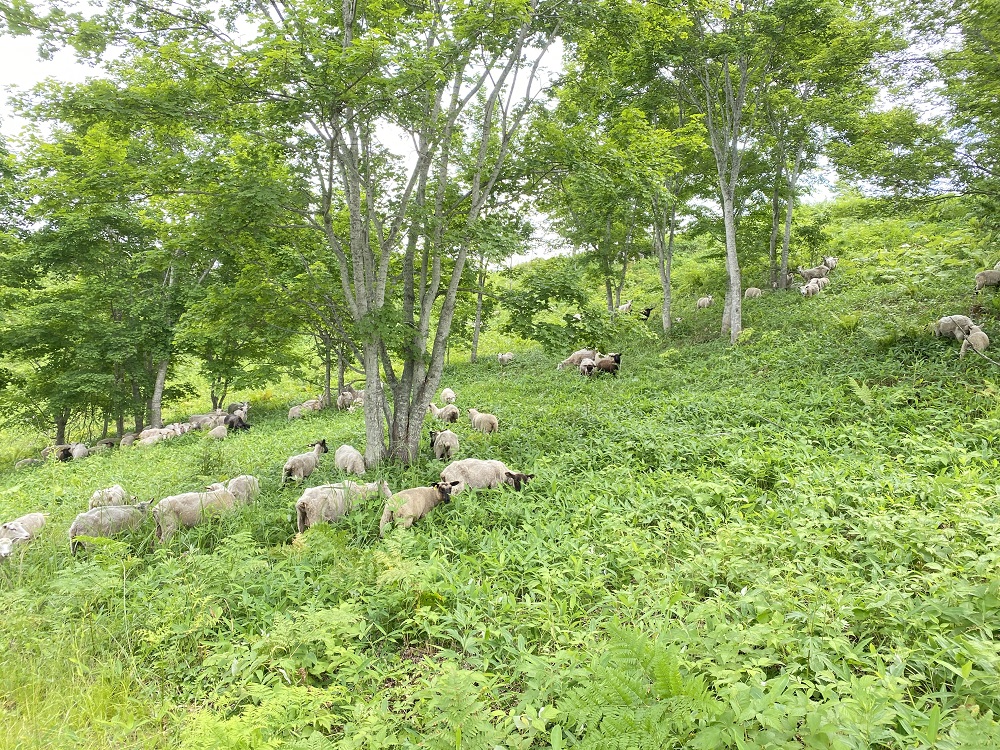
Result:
[{"x": 774, "y": 526}]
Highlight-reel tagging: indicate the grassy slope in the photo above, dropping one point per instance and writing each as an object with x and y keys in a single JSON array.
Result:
[{"x": 809, "y": 517}]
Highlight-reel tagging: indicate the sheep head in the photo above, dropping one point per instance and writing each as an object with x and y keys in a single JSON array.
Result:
[{"x": 517, "y": 480}]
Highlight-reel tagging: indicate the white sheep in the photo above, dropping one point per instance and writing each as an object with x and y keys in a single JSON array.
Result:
[
  {"x": 114, "y": 495},
  {"x": 505, "y": 358},
  {"x": 106, "y": 521},
  {"x": 752, "y": 291},
  {"x": 447, "y": 413},
  {"x": 997, "y": 266},
  {"x": 987, "y": 278},
  {"x": 444, "y": 444},
  {"x": 485, "y": 423},
  {"x": 20, "y": 530},
  {"x": 626, "y": 308},
  {"x": 245, "y": 487},
  {"x": 219, "y": 433},
  {"x": 587, "y": 367},
  {"x": 821, "y": 282},
  {"x": 300, "y": 466},
  {"x": 448, "y": 396},
  {"x": 295, "y": 412},
  {"x": 345, "y": 401},
  {"x": 831, "y": 261},
  {"x": 704, "y": 302},
  {"x": 409, "y": 505},
  {"x": 808, "y": 274},
  {"x": 330, "y": 502},
  {"x": 190, "y": 509},
  {"x": 809, "y": 290},
  {"x": 25, "y": 462},
  {"x": 574, "y": 359},
  {"x": 350, "y": 460},
  {"x": 475, "y": 473},
  {"x": 79, "y": 450},
  {"x": 976, "y": 339},
  {"x": 956, "y": 325},
  {"x": 127, "y": 439}
]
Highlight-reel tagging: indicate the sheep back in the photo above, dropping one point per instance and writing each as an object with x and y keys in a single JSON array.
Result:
[
  {"x": 114, "y": 495},
  {"x": 409, "y": 505},
  {"x": 349, "y": 459},
  {"x": 106, "y": 521}
]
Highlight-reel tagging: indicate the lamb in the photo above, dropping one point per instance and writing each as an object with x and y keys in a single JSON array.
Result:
[
  {"x": 349, "y": 459},
  {"x": 444, "y": 444},
  {"x": 190, "y": 509},
  {"x": 976, "y": 339},
  {"x": 22, "y": 529},
  {"x": 609, "y": 363},
  {"x": 957, "y": 325},
  {"x": 830, "y": 261},
  {"x": 330, "y": 502},
  {"x": 587, "y": 367},
  {"x": 506, "y": 358},
  {"x": 447, "y": 413},
  {"x": 752, "y": 291},
  {"x": 114, "y": 495},
  {"x": 106, "y": 521},
  {"x": 448, "y": 396},
  {"x": 300, "y": 466},
  {"x": 218, "y": 433},
  {"x": 809, "y": 290},
  {"x": 476, "y": 473},
  {"x": 987, "y": 278},
  {"x": 644, "y": 314},
  {"x": 485, "y": 423},
  {"x": 409, "y": 505},
  {"x": 704, "y": 302},
  {"x": 245, "y": 487},
  {"x": 808, "y": 274},
  {"x": 574, "y": 359},
  {"x": 626, "y": 308}
]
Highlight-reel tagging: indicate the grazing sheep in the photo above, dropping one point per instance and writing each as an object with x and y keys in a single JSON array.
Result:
[
  {"x": 752, "y": 291},
  {"x": 448, "y": 396},
  {"x": 809, "y": 290},
  {"x": 114, "y": 495},
  {"x": 25, "y": 462},
  {"x": 300, "y": 466},
  {"x": 645, "y": 312},
  {"x": 295, "y": 412},
  {"x": 330, "y": 502},
  {"x": 987, "y": 278},
  {"x": 447, "y": 413},
  {"x": 830, "y": 261},
  {"x": 587, "y": 367},
  {"x": 976, "y": 339},
  {"x": 485, "y": 423},
  {"x": 106, "y": 521},
  {"x": 409, "y": 505},
  {"x": 506, "y": 358},
  {"x": 127, "y": 440},
  {"x": 476, "y": 473},
  {"x": 626, "y": 308},
  {"x": 574, "y": 359},
  {"x": 22, "y": 529},
  {"x": 190, "y": 509},
  {"x": 444, "y": 444},
  {"x": 52, "y": 449},
  {"x": 245, "y": 487},
  {"x": 218, "y": 433},
  {"x": 64, "y": 454},
  {"x": 808, "y": 274},
  {"x": 243, "y": 406},
  {"x": 821, "y": 282},
  {"x": 957, "y": 325},
  {"x": 704, "y": 302},
  {"x": 349, "y": 459},
  {"x": 345, "y": 401},
  {"x": 609, "y": 363},
  {"x": 79, "y": 450},
  {"x": 789, "y": 278}
]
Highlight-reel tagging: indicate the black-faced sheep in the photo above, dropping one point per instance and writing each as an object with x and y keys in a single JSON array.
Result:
[
  {"x": 645, "y": 312},
  {"x": 409, "y": 505},
  {"x": 609, "y": 364},
  {"x": 20, "y": 530},
  {"x": 476, "y": 473},
  {"x": 114, "y": 495},
  {"x": 751, "y": 292},
  {"x": 574, "y": 359},
  {"x": 300, "y": 466},
  {"x": 447, "y": 413},
  {"x": 485, "y": 423},
  {"x": 587, "y": 367},
  {"x": 444, "y": 444},
  {"x": 987, "y": 278},
  {"x": 704, "y": 302},
  {"x": 243, "y": 406},
  {"x": 349, "y": 460},
  {"x": 106, "y": 521}
]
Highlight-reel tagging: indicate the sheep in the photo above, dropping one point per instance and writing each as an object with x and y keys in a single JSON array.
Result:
[
  {"x": 587, "y": 367},
  {"x": 506, "y": 358},
  {"x": 485, "y": 423},
  {"x": 957, "y": 325},
  {"x": 190, "y": 509},
  {"x": 574, "y": 359},
  {"x": 236, "y": 421},
  {"x": 315, "y": 404},
  {"x": 789, "y": 278},
  {"x": 300, "y": 466},
  {"x": 64, "y": 454},
  {"x": 808, "y": 274},
  {"x": 809, "y": 290},
  {"x": 295, "y": 412},
  {"x": 79, "y": 450},
  {"x": 609, "y": 363},
  {"x": 330, "y": 502},
  {"x": 447, "y": 413},
  {"x": 704, "y": 302},
  {"x": 345, "y": 401},
  {"x": 645, "y": 312},
  {"x": 359, "y": 395},
  {"x": 52, "y": 449},
  {"x": 114, "y": 495},
  {"x": 22, "y": 529},
  {"x": 219, "y": 433},
  {"x": 106, "y": 521},
  {"x": 476, "y": 473},
  {"x": 448, "y": 396},
  {"x": 26, "y": 462},
  {"x": 349, "y": 459},
  {"x": 243, "y": 406},
  {"x": 626, "y": 308},
  {"x": 821, "y": 282},
  {"x": 245, "y": 487},
  {"x": 987, "y": 278},
  {"x": 830, "y": 261},
  {"x": 99, "y": 448},
  {"x": 444, "y": 444},
  {"x": 409, "y": 505},
  {"x": 127, "y": 440},
  {"x": 751, "y": 292},
  {"x": 976, "y": 339},
  {"x": 578, "y": 317}
]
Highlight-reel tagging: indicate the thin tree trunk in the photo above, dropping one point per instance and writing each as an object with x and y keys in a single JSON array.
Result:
[
  {"x": 374, "y": 406},
  {"x": 732, "y": 318},
  {"x": 479, "y": 315},
  {"x": 665, "y": 255},
  {"x": 793, "y": 178},
  {"x": 328, "y": 375},
  {"x": 772, "y": 247},
  {"x": 341, "y": 367},
  {"x": 156, "y": 402},
  {"x": 61, "y": 420},
  {"x": 138, "y": 407},
  {"x": 120, "y": 424}
]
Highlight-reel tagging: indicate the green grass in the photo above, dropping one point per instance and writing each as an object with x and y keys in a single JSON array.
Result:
[{"x": 787, "y": 543}]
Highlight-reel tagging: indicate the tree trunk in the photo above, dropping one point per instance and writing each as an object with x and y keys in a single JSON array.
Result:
[
  {"x": 374, "y": 406},
  {"x": 732, "y": 317},
  {"x": 341, "y": 367},
  {"x": 120, "y": 424},
  {"x": 793, "y": 178},
  {"x": 665, "y": 255},
  {"x": 156, "y": 402},
  {"x": 61, "y": 420},
  {"x": 772, "y": 247},
  {"x": 479, "y": 315},
  {"x": 139, "y": 408},
  {"x": 328, "y": 375}
]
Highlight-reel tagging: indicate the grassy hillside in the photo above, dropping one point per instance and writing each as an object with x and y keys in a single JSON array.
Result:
[{"x": 787, "y": 543}]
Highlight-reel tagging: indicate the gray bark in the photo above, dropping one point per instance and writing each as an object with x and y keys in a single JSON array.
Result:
[{"x": 156, "y": 401}]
